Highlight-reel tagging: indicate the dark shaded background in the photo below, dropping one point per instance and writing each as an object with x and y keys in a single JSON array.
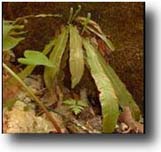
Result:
[{"x": 123, "y": 22}]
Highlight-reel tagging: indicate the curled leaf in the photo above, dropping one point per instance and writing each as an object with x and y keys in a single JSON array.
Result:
[
  {"x": 76, "y": 61},
  {"x": 95, "y": 28},
  {"x": 108, "y": 99},
  {"x": 92, "y": 23},
  {"x": 126, "y": 117},
  {"x": 103, "y": 37}
]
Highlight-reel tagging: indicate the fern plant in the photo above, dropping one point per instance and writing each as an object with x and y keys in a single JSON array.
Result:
[
  {"x": 81, "y": 35},
  {"x": 76, "y": 106}
]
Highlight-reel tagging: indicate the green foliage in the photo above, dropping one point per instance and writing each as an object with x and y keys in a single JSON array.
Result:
[
  {"x": 48, "y": 47},
  {"x": 28, "y": 70},
  {"x": 55, "y": 57},
  {"x": 103, "y": 37},
  {"x": 76, "y": 106},
  {"x": 108, "y": 99},
  {"x": 95, "y": 29},
  {"x": 113, "y": 92},
  {"x": 76, "y": 61},
  {"x": 7, "y": 26},
  {"x": 76, "y": 13},
  {"x": 35, "y": 58},
  {"x": 125, "y": 98},
  {"x": 9, "y": 30},
  {"x": 86, "y": 22}
]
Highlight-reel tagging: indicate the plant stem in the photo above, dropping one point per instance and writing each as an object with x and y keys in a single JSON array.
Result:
[
  {"x": 50, "y": 117},
  {"x": 70, "y": 16},
  {"x": 76, "y": 13},
  {"x": 86, "y": 22}
]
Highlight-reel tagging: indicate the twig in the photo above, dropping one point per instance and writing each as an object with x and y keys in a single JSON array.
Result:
[
  {"x": 34, "y": 97},
  {"x": 75, "y": 122},
  {"x": 36, "y": 16}
]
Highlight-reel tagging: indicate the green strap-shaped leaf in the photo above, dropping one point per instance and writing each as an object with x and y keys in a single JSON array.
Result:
[
  {"x": 125, "y": 98},
  {"x": 76, "y": 61},
  {"x": 35, "y": 58},
  {"x": 108, "y": 99},
  {"x": 26, "y": 72},
  {"x": 55, "y": 57},
  {"x": 49, "y": 47}
]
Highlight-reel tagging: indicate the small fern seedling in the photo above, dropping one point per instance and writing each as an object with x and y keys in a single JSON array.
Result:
[{"x": 76, "y": 106}]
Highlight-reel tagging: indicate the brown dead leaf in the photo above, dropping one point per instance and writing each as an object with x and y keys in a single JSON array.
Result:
[
  {"x": 126, "y": 117},
  {"x": 9, "y": 91}
]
